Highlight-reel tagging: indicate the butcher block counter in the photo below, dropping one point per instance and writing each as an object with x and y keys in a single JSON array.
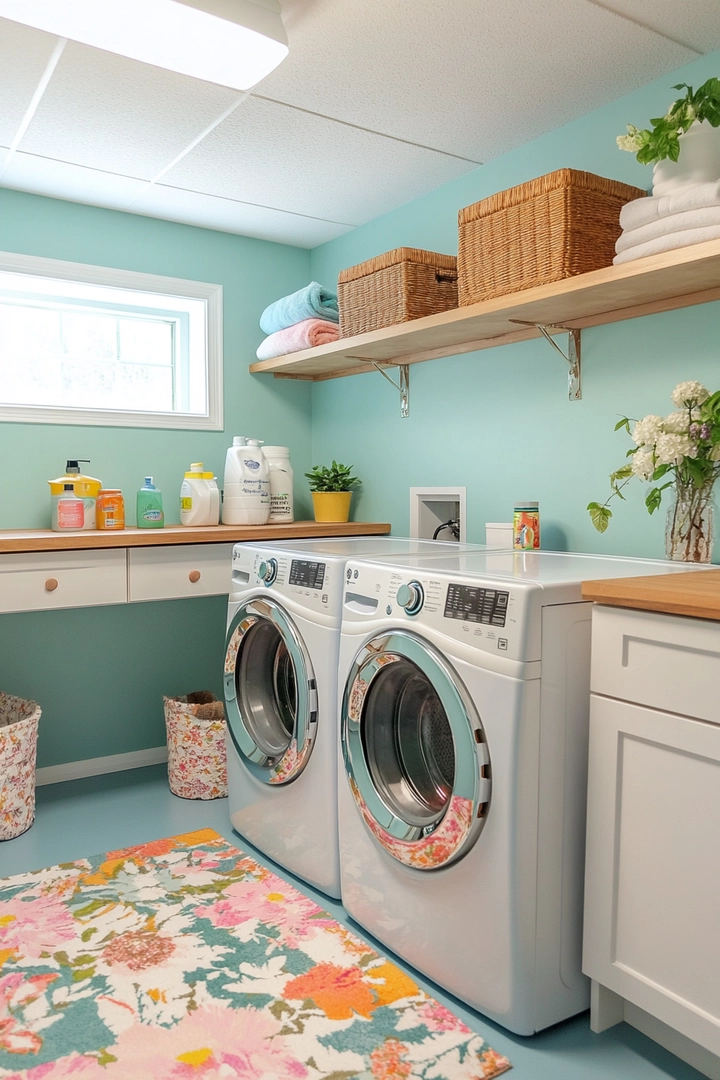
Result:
[{"x": 695, "y": 594}]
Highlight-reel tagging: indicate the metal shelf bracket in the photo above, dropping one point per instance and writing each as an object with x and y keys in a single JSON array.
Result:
[
  {"x": 573, "y": 357},
  {"x": 403, "y": 387}
]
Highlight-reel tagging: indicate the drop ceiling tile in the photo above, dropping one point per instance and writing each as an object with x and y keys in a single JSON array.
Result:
[
  {"x": 292, "y": 160},
  {"x": 695, "y": 24},
  {"x": 60, "y": 180},
  {"x": 226, "y": 215},
  {"x": 24, "y": 54},
  {"x": 472, "y": 77},
  {"x": 106, "y": 112}
]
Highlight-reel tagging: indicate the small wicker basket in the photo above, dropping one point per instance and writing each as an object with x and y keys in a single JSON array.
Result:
[
  {"x": 562, "y": 224},
  {"x": 396, "y": 287}
]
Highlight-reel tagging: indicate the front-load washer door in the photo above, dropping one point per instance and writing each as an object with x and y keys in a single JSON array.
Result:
[
  {"x": 414, "y": 750},
  {"x": 270, "y": 692}
]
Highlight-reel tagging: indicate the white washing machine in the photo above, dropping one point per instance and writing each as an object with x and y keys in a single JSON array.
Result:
[
  {"x": 464, "y": 695},
  {"x": 280, "y": 685}
]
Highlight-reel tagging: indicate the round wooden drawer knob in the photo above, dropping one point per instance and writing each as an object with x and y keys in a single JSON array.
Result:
[
  {"x": 51, "y": 584},
  {"x": 194, "y": 576}
]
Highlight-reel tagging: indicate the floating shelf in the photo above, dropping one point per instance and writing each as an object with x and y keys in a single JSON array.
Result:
[{"x": 665, "y": 282}]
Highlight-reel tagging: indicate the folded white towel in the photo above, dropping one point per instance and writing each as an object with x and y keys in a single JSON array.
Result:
[
  {"x": 691, "y": 219},
  {"x": 684, "y": 238},
  {"x": 640, "y": 212}
]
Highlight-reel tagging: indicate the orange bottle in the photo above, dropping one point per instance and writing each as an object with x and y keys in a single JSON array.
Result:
[{"x": 110, "y": 509}]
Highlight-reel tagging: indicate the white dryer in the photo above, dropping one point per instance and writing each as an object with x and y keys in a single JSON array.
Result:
[
  {"x": 280, "y": 686},
  {"x": 464, "y": 694}
]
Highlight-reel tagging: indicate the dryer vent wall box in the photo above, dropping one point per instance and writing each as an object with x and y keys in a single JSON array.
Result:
[{"x": 433, "y": 506}]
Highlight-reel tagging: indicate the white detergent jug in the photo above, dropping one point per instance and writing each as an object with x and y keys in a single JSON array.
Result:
[
  {"x": 199, "y": 497},
  {"x": 281, "y": 483},
  {"x": 246, "y": 495}
]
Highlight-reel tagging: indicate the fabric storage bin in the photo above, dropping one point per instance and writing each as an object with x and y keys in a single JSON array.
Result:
[
  {"x": 396, "y": 287},
  {"x": 197, "y": 762},
  {"x": 19, "y": 721},
  {"x": 562, "y": 224}
]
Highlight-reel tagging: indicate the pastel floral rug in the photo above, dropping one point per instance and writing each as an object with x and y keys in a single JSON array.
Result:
[{"x": 184, "y": 959}]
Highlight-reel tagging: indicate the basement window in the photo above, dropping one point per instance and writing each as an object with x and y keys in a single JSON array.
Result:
[{"x": 94, "y": 345}]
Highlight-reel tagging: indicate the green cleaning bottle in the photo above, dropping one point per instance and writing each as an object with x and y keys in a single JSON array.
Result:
[{"x": 149, "y": 506}]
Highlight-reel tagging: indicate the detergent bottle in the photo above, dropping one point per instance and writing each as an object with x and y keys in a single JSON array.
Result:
[
  {"x": 83, "y": 487},
  {"x": 246, "y": 495},
  {"x": 149, "y": 506},
  {"x": 199, "y": 497}
]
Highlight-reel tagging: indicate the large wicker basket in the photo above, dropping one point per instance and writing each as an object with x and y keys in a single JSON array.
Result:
[
  {"x": 562, "y": 224},
  {"x": 396, "y": 287}
]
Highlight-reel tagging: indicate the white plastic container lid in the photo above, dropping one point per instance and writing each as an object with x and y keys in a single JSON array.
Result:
[{"x": 276, "y": 451}]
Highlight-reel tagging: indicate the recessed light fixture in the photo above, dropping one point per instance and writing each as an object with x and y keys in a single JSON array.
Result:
[{"x": 235, "y": 43}]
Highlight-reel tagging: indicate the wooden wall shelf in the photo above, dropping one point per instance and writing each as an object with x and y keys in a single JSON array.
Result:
[
  {"x": 665, "y": 282},
  {"x": 22, "y": 540}
]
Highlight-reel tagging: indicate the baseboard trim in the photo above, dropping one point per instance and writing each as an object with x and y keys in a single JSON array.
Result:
[{"x": 74, "y": 770}]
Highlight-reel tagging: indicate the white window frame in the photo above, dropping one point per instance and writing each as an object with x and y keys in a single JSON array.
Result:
[{"x": 90, "y": 274}]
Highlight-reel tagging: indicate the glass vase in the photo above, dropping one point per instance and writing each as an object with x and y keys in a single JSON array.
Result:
[{"x": 689, "y": 530}]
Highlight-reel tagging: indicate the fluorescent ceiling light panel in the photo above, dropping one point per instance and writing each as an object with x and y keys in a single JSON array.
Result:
[{"x": 235, "y": 43}]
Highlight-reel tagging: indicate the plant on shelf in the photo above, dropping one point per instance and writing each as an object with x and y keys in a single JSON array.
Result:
[
  {"x": 332, "y": 489},
  {"x": 683, "y": 451},
  {"x": 663, "y": 141}
]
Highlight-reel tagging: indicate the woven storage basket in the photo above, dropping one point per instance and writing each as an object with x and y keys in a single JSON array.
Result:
[
  {"x": 396, "y": 287},
  {"x": 19, "y": 720},
  {"x": 197, "y": 761},
  {"x": 560, "y": 225}
]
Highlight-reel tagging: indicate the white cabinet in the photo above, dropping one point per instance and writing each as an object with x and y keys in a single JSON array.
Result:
[
  {"x": 161, "y": 573},
  {"x": 652, "y": 887},
  {"x": 41, "y": 581}
]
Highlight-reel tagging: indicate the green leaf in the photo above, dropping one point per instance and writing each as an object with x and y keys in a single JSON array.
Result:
[
  {"x": 624, "y": 423},
  {"x": 621, "y": 474},
  {"x": 653, "y": 499},
  {"x": 599, "y": 515}
]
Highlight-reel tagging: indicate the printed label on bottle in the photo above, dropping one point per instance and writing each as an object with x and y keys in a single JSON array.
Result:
[
  {"x": 186, "y": 503},
  {"x": 526, "y": 530},
  {"x": 70, "y": 514},
  {"x": 152, "y": 515},
  {"x": 251, "y": 464}
]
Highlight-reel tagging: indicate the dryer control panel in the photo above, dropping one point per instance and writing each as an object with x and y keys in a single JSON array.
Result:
[{"x": 312, "y": 584}]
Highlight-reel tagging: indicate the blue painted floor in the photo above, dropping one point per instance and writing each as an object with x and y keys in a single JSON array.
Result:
[{"x": 98, "y": 814}]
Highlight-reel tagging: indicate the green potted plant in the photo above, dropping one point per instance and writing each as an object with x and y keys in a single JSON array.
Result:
[
  {"x": 682, "y": 451},
  {"x": 687, "y": 131},
  {"x": 332, "y": 489}
]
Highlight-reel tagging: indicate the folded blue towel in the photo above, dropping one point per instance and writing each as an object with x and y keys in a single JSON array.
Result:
[{"x": 312, "y": 302}]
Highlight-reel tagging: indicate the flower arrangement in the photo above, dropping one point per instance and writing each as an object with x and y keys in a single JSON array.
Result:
[
  {"x": 663, "y": 141},
  {"x": 683, "y": 450}
]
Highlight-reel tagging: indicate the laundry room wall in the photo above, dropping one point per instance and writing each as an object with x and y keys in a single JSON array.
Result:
[
  {"x": 100, "y": 673},
  {"x": 499, "y": 421}
]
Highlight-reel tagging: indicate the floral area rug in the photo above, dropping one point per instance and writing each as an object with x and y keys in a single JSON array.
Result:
[{"x": 184, "y": 959}]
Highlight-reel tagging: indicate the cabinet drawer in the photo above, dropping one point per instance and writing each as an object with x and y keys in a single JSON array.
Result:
[
  {"x": 669, "y": 662},
  {"x": 40, "y": 581},
  {"x": 177, "y": 571}
]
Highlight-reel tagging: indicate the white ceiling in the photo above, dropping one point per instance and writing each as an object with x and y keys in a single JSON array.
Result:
[{"x": 378, "y": 102}]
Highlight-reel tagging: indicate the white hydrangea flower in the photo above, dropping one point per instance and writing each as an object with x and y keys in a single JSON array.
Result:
[
  {"x": 647, "y": 430},
  {"x": 630, "y": 141},
  {"x": 671, "y": 449},
  {"x": 677, "y": 423},
  {"x": 643, "y": 464},
  {"x": 686, "y": 393}
]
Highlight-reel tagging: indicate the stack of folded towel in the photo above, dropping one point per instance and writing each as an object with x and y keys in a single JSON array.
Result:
[
  {"x": 302, "y": 320},
  {"x": 653, "y": 225}
]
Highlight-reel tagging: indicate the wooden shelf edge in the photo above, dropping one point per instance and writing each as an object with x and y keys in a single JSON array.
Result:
[
  {"x": 19, "y": 541},
  {"x": 665, "y": 282}
]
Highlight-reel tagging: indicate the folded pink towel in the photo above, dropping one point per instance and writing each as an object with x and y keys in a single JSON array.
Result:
[{"x": 303, "y": 335}]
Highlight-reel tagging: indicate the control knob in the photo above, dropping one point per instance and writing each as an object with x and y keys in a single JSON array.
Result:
[
  {"x": 411, "y": 597},
  {"x": 267, "y": 571}
]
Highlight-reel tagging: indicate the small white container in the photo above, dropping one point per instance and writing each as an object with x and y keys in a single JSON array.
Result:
[
  {"x": 246, "y": 495},
  {"x": 499, "y": 534},
  {"x": 199, "y": 497},
  {"x": 281, "y": 483}
]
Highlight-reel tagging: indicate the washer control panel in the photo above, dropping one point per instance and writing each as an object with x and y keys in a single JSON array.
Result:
[{"x": 411, "y": 597}]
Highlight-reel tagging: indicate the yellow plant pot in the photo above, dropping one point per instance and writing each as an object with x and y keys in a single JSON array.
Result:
[{"x": 331, "y": 505}]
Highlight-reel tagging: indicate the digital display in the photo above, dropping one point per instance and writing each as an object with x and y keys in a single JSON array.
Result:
[
  {"x": 310, "y": 575},
  {"x": 472, "y": 604}
]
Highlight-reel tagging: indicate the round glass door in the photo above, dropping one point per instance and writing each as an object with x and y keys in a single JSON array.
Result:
[
  {"x": 414, "y": 750},
  {"x": 270, "y": 696}
]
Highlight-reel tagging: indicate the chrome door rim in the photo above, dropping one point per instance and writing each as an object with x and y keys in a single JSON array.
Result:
[
  {"x": 286, "y": 767},
  {"x": 457, "y": 828}
]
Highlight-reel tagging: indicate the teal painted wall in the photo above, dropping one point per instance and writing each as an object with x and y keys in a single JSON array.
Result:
[
  {"x": 498, "y": 421},
  {"x": 100, "y": 673}
]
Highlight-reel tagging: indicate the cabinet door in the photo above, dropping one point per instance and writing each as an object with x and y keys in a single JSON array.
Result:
[
  {"x": 179, "y": 570},
  {"x": 652, "y": 887}
]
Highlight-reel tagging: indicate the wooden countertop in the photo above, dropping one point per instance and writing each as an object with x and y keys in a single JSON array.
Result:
[
  {"x": 22, "y": 540},
  {"x": 696, "y": 594}
]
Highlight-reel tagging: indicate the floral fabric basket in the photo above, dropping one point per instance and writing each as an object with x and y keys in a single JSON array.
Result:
[
  {"x": 197, "y": 760},
  {"x": 19, "y": 721}
]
